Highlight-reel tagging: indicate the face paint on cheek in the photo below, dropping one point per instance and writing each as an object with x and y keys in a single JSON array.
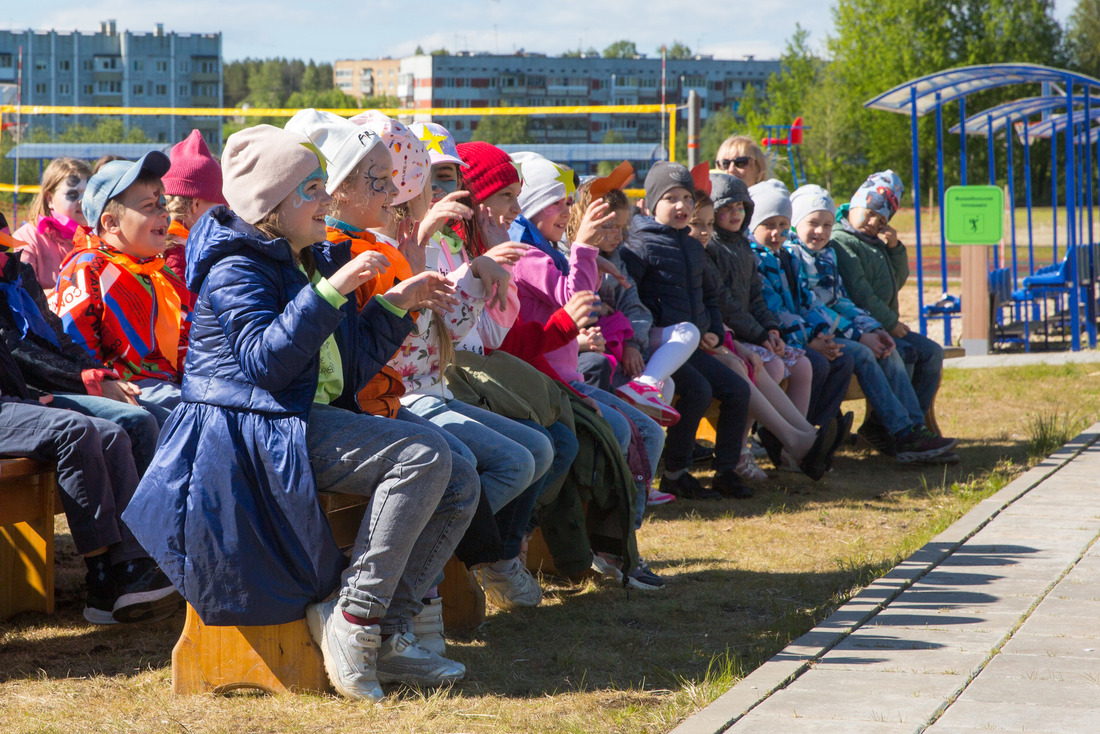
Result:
[
  {"x": 444, "y": 187},
  {"x": 303, "y": 197},
  {"x": 377, "y": 183}
]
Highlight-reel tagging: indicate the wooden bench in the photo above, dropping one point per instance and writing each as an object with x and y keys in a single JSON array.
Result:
[
  {"x": 283, "y": 657},
  {"x": 28, "y": 503}
]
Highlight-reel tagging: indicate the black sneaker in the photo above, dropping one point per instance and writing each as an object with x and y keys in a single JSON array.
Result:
[
  {"x": 772, "y": 445},
  {"x": 729, "y": 484},
  {"x": 701, "y": 453},
  {"x": 878, "y": 438},
  {"x": 145, "y": 594},
  {"x": 920, "y": 444},
  {"x": 687, "y": 487},
  {"x": 101, "y": 590},
  {"x": 815, "y": 463},
  {"x": 843, "y": 430}
]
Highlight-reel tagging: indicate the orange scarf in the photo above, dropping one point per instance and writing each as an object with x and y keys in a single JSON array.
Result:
[
  {"x": 178, "y": 230},
  {"x": 168, "y": 306},
  {"x": 398, "y": 270}
]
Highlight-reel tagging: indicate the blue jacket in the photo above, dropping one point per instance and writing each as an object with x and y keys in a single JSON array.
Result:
[
  {"x": 228, "y": 508},
  {"x": 524, "y": 231},
  {"x": 668, "y": 267},
  {"x": 820, "y": 277},
  {"x": 783, "y": 279}
]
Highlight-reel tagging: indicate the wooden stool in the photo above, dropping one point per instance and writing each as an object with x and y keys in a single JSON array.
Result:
[
  {"x": 283, "y": 657},
  {"x": 27, "y": 506}
]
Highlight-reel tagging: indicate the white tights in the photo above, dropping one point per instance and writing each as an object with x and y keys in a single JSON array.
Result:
[{"x": 669, "y": 348}]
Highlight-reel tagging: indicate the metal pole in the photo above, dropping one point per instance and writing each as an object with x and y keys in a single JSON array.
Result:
[
  {"x": 916, "y": 199},
  {"x": 693, "y": 129},
  {"x": 943, "y": 232},
  {"x": 1054, "y": 191},
  {"x": 992, "y": 176},
  {"x": 1086, "y": 164},
  {"x": 962, "y": 141},
  {"x": 1011, "y": 197},
  {"x": 1071, "y": 217},
  {"x": 1027, "y": 197},
  {"x": 672, "y": 153},
  {"x": 17, "y": 137}
]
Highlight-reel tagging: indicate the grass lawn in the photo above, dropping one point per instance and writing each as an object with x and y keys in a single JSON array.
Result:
[{"x": 744, "y": 578}]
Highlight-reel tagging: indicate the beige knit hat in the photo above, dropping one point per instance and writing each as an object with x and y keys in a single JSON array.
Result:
[{"x": 262, "y": 165}]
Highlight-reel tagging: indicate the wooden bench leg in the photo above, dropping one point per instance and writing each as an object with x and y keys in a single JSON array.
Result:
[
  {"x": 27, "y": 543},
  {"x": 463, "y": 598},
  {"x": 273, "y": 658}
]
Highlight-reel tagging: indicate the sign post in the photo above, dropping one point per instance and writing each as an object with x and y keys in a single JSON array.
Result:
[{"x": 974, "y": 219}]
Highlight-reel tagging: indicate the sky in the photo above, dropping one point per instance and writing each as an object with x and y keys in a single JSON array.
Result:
[{"x": 376, "y": 28}]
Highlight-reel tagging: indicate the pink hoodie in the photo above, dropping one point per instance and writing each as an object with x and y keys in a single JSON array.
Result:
[{"x": 543, "y": 289}]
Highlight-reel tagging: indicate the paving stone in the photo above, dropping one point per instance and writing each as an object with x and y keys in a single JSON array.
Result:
[
  {"x": 1017, "y": 717},
  {"x": 848, "y": 705},
  {"x": 872, "y": 683},
  {"x": 1024, "y": 643},
  {"x": 939, "y": 661},
  {"x": 1058, "y": 604},
  {"x": 1042, "y": 624},
  {"x": 758, "y": 724},
  {"x": 1076, "y": 692}
]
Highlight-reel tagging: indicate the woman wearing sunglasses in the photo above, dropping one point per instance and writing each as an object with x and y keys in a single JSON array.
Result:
[{"x": 740, "y": 156}]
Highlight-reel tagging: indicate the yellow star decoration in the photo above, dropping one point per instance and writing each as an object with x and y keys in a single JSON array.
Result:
[
  {"x": 565, "y": 175},
  {"x": 432, "y": 141}
]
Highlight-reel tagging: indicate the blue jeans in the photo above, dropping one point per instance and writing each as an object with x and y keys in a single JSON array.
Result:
[
  {"x": 510, "y": 456},
  {"x": 419, "y": 507},
  {"x": 886, "y": 385},
  {"x": 158, "y": 397},
  {"x": 140, "y": 425},
  {"x": 924, "y": 360},
  {"x": 829, "y": 385}
]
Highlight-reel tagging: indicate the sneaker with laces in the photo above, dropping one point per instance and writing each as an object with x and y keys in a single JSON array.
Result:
[
  {"x": 350, "y": 651},
  {"x": 747, "y": 468},
  {"x": 647, "y": 398},
  {"x": 878, "y": 437},
  {"x": 102, "y": 592},
  {"x": 428, "y": 627},
  {"x": 144, "y": 593},
  {"x": 920, "y": 444},
  {"x": 656, "y": 497},
  {"x": 729, "y": 484},
  {"x": 700, "y": 453},
  {"x": 509, "y": 589},
  {"x": 401, "y": 659},
  {"x": 607, "y": 566},
  {"x": 644, "y": 579},
  {"x": 687, "y": 487}
]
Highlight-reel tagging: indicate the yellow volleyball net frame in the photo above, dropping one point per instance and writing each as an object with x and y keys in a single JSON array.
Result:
[{"x": 21, "y": 111}]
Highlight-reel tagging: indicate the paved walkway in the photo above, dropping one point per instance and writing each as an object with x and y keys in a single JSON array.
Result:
[
  {"x": 1019, "y": 360},
  {"x": 994, "y": 626}
]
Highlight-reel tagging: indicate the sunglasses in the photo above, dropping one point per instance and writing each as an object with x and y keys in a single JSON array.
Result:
[{"x": 740, "y": 161}]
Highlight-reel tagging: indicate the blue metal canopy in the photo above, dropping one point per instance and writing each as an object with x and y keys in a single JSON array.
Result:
[
  {"x": 928, "y": 92},
  {"x": 1058, "y": 123},
  {"x": 1017, "y": 109}
]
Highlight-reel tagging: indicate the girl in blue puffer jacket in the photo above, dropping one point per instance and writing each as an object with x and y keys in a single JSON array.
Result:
[{"x": 229, "y": 506}]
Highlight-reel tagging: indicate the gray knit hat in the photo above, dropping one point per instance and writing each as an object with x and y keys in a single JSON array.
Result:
[
  {"x": 770, "y": 199},
  {"x": 809, "y": 199},
  {"x": 664, "y": 176},
  {"x": 727, "y": 189},
  {"x": 262, "y": 165}
]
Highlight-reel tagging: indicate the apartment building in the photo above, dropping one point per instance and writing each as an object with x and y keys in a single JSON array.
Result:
[
  {"x": 367, "y": 77},
  {"x": 119, "y": 69}
]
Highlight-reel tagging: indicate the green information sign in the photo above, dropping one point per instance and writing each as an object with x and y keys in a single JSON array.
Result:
[{"x": 974, "y": 215}]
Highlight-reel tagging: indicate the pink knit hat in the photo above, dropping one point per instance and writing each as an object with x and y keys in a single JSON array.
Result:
[
  {"x": 263, "y": 165},
  {"x": 488, "y": 169},
  {"x": 194, "y": 171}
]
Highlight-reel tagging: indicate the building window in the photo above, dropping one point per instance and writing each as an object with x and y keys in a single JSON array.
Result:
[
  {"x": 64, "y": 64},
  {"x": 64, "y": 88},
  {"x": 106, "y": 63},
  {"x": 87, "y": 89},
  {"x": 105, "y": 87},
  {"x": 41, "y": 64},
  {"x": 138, "y": 90},
  {"x": 5, "y": 61},
  {"x": 208, "y": 66},
  {"x": 139, "y": 65},
  {"x": 40, "y": 88},
  {"x": 185, "y": 66},
  {"x": 87, "y": 65},
  {"x": 183, "y": 90},
  {"x": 162, "y": 89}
]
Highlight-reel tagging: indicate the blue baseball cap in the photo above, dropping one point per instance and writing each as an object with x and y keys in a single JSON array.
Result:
[{"x": 114, "y": 178}]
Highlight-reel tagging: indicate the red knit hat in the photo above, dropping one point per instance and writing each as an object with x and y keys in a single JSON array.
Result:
[
  {"x": 194, "y": 171},
  {"x": 487, "y": 170}
]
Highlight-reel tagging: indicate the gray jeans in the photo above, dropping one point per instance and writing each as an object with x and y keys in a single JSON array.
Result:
[{"x": 417, "y": 513}]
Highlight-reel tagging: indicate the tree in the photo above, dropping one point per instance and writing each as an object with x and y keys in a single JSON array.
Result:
[
  {"x": 419, "y": 50},
  {"x": 331, "y": 99},
  {"x": 677, "y": 51},
  {"x": 589, "y": 53},
  {"x": 1083, "y": 37},
  {"x": 621, "y": 50},
  {"x": 441, "y": 52},
  {"x": 503, "y": 130}
]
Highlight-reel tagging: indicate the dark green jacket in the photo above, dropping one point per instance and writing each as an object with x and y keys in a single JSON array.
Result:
[{"x": 872, "y": 273}]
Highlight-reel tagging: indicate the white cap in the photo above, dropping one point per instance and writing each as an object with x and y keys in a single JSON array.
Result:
[
  {"x": 544, "y": 182},
  {"x": 341, "y": 142},
  {"x": 411, "y": 163}
]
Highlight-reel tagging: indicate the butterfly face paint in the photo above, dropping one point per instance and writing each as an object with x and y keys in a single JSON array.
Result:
[
  {"x": 303, "y": 197},
  {"x": 64, "y": 202}
]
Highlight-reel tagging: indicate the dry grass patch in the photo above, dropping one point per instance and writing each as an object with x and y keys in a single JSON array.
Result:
[{"x": 744, "y": 579}]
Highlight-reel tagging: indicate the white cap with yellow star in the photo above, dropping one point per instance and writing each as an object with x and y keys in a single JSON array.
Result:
[
  {"x": 437, "y": 139},
  {"x": 544, "y": 182}
]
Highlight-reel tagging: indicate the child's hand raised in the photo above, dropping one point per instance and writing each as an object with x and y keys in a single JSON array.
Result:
[
  {"x": 508, "y": 253},
  {"x": 494, "y": 230},
  {"x": 427, "y": 290},
  {"x": 495, "y": 279},
  {"x": 448, "y": 208},
  {"x": 360, "y": 269},
  {"x": 581, "y": 308},
  {"x": 596, "y": 216}
]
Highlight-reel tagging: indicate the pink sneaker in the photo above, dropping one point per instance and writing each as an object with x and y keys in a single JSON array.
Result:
[
  {"x": 657, "y": 497},
  {"x": 647, "y": 399}
]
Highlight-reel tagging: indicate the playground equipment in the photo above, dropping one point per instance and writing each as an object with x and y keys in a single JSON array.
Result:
[
  {"x": 792, "y": 141},
  {"x": 1066, "y": 108}
]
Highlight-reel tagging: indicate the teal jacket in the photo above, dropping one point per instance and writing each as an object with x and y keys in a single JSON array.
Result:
[{"x": 872, "y": 273}]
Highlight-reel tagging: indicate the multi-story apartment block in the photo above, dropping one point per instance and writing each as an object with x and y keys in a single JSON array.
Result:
[
  {"x": 115, "y": 69},
  {"x": 367, "y": 78},
  {"x": 532, "y": 80}
]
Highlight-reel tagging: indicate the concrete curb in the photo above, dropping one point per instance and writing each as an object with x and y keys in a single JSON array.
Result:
[{"x": 798, "y": 656}]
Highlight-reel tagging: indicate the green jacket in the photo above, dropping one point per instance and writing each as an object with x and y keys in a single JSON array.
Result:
[
  {"x": 872, "y": 273},
  {"x": 599, "y": 476}
]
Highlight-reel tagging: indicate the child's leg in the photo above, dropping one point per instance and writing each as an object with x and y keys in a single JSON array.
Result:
[
  {"x": 733, "y": 394},
  {"x": 926, "y": 358},
  {"x": 670, "y": 347},
  {"x": 695, "y": 395},
  {"x": 800, "y": 384},
  {"x": 140, "y": 425},
  {"x": 830, "y": 384},
  {"x": 878, "y": 388},
  {"x": 652, "y": 434},
  {"x": 782, "y": 403},
  {"x": 158, "y": 397},
  {"x": 417, "y": 511},
  {"x": 596, "y": 368}
]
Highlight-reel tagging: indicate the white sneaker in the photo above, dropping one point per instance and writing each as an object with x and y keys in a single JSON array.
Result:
[
  {"x": 402, "y": 660},
  {"x": 510, "y": 589},
  {"x": 428, "y": 627},
  {"x": 350, "y": 651}
]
